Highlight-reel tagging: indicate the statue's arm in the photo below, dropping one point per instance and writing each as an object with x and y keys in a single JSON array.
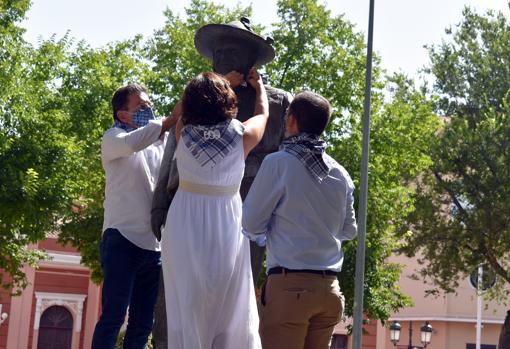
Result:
[{"x": 162, "y": 194}]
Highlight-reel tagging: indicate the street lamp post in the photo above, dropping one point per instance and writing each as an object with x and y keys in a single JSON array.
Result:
[
  {"x": 425, "y": 332},
  {"x": 410, "y": 346},
  {"x": 357, "y": 326}
]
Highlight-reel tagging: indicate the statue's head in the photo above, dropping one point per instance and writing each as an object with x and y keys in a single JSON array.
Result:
[{"x": 233, "y": 46}]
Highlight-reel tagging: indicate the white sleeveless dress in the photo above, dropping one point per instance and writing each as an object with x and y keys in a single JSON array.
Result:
[{"x": 210, "y": 299}]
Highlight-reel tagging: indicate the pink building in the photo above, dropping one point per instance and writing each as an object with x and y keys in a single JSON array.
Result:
[
  {"x": 453, "y": 317},
  {"x": 58, "y": 309}
]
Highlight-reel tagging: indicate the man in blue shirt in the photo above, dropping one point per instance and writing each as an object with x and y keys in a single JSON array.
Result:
[{"x": 301, "y": 202}]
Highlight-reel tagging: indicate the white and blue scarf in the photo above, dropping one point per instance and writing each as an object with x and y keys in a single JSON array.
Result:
[
  {"x": 209, "y": 144},
  {"x": 310, "y": 150}
]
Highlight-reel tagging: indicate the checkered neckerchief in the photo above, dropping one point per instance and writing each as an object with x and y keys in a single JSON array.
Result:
[
  {"x": 210, "y": 144},
  {"x": 309, "y": 149}
]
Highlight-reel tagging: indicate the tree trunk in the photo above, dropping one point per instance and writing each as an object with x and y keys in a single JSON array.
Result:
[
  {"x": 504, "y": 336},
  {"x": 159, "y": 332}
]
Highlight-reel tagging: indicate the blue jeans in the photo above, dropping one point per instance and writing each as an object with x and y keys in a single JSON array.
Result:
[{"x": 131, "y": 278}]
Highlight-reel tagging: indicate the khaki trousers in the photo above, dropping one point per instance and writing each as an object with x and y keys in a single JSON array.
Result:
[{"x": 300, "y": 311}]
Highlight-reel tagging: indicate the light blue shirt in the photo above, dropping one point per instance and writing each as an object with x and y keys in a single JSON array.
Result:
[{"x": 305, "y": 221}]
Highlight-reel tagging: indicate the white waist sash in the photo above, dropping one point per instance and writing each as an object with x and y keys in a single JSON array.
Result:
[{"x": 207, "y": 189}]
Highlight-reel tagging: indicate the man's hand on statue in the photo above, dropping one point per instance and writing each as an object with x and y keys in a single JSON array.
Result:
[
  {"x": 171, "y": 120},
  {"x": 234, "y": 78},
  {"x": 254, "y": 79}
]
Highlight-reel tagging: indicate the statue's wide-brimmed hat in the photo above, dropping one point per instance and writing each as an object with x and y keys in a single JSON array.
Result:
[{"x": 209, "y": 36}]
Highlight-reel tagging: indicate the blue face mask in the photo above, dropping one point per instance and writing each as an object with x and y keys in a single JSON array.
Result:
[{"x": 140, "y": 119}]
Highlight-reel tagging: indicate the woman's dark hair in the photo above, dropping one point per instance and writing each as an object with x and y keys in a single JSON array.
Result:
[
  {"x": 208, "y": 100},
  {"x": 312, "y": 112},
  {"x": 120, "y": 97}
]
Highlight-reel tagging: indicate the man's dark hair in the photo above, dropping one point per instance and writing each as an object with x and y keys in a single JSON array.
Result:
[
  {"x": 120, "y": 97},
  {"x": 208, "y": 100},
  {"x": 312, "y": 112}
]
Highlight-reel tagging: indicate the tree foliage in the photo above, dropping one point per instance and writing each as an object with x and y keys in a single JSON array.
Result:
[
  {"x": 33, "y": 147},
  {"x": 401, "y": 132},
  {"x": 463, "y": 201}
]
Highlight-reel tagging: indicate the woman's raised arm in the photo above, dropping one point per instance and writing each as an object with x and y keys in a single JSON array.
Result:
[{"x": 256, "y": 125}]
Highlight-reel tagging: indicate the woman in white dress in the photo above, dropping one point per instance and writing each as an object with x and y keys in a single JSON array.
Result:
[{"x": 210, "y": 299}]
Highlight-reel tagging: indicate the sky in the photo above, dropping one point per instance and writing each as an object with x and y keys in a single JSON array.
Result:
[{"x": 401, "y": 27}]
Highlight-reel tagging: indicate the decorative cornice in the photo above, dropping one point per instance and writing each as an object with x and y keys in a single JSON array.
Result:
[
  {"x": 64, "y": 258},
  {"x": 72, "y": 302},
  {"x": 56, "y": 259}
]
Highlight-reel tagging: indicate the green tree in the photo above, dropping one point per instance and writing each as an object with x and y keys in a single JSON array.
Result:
[
  {"x": 36, "y": 174},
  {"x": 402, "y": 130},
  {"x": 463, "y": 202}
]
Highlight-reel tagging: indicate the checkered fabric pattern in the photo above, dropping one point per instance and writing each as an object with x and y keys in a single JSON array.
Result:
[
  {"x": 140, "y": 119},
  {"x": 309, "y": 149},
  {"x": 210, "y": 144}
]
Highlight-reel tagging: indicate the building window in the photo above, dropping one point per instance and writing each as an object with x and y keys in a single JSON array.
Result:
[
  {"x": 339, "y": 341},
  {"x": 55, "y": 329},
  {"x": 483, "y": 346}
]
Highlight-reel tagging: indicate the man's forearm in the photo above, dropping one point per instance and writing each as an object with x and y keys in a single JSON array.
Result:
[
  {"x": 262, "y": 199},
  {"x": 120, "y": 144}
]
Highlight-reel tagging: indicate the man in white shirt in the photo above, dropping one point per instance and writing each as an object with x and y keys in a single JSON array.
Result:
[{"x": 131, "y": 153}]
